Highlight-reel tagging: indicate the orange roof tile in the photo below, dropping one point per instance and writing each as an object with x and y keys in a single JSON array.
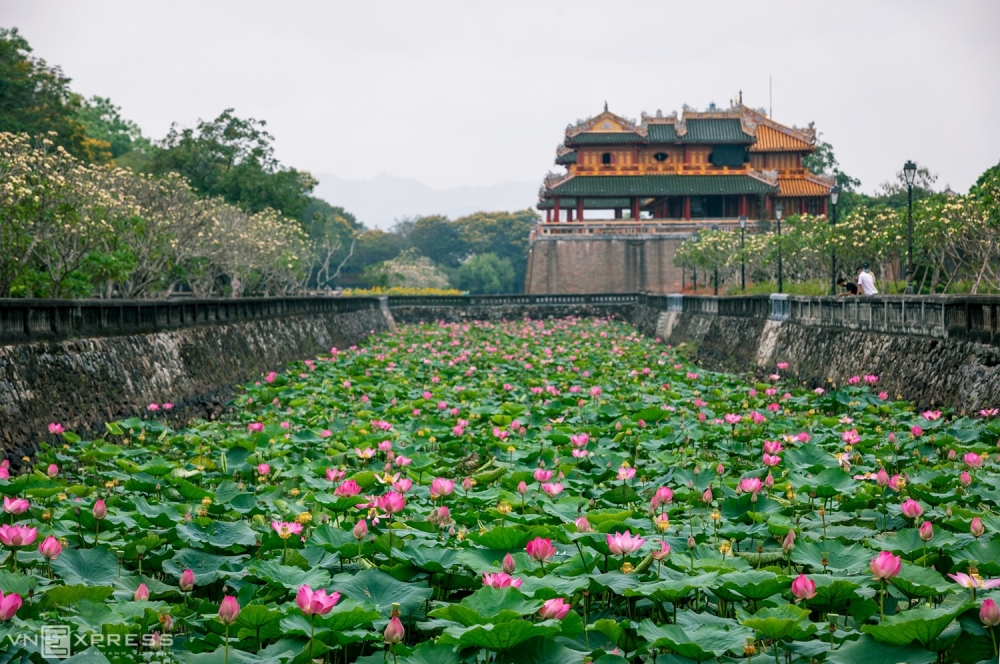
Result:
[
  {"x": 801, "y": 187},
  {"x": 770, "y": 139}
]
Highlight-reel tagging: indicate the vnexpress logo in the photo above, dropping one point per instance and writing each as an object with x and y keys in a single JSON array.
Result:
[{"x": 56, "y": 641}]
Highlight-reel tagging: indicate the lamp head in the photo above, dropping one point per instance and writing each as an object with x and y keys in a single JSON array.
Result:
[
  {"x": 909, "y": 172},
  {"x": 778, "y": 209},
  {"x": 834, "y": 195},
  {"x": 743, "y": 221}
]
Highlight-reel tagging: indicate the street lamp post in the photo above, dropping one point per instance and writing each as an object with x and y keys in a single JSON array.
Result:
[
  {"x": 834, "y": 195},
  {"x": 778, "y": 209},
  {"x": 743, "y": 267},
  {"x": 909, "y": 172},
  {"x": 715, "y": 266}
]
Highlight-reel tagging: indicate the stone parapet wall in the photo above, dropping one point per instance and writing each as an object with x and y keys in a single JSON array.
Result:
[{"x": 83, "y": 383}]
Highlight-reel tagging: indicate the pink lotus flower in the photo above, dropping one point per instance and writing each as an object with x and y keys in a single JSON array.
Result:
[
  {"x": 926, "y": 531},
  {"x": 782, "y": 365},
  {"x": 757, "y": 417},
  {"x": 542, "y": 475},
  {"x": 17, "y": 535},
  {"x": 335, "y": 474},
  {"x": 141, "y": 593},
  {"x": 626, "y": 473},
  {"x": 153, "y": 407},
  {"x": 965, "y": 479},
  {"x": 229, "y": 610},
  {"x": 732, "y": 418},
  {"x": 385, "y": 446},
  {"x": 50, "y": 548},
  {"x": 582, "y": 525},
  {"x": 662, "y": 552},
  {"x": 391, "y": 503},
  {"x": 554, "y": 609},
  {"x": 286, "y": 529},
  {"x": 441, "y": 487},
  {"x": 803, "y": 587},
  {"x": 773, "y": 447},
  {"x": 56, "y": 428},
  {"x": 885, "y": 566},
  {"x": 365, "y": 454},
  {"x": 522, "y": 488},
  {"x": 360, "y": 530},
  {"x": 883, "y": 395},
  {"x": 771, "y": 460},
  {"x": 972, "y": 460},
  {"x": 882, "y": 478},
  {"x": 507, "y": 565},
  {"x": 989, "y": 613},
  {"x": 9, "y": 604},
  {"x": 347, "y": 489},
  {"x": 932, "y": 415},
  {"x": 52, "y": 470},
  {"x": 402, "y": 485},
  {"x": 552, "y": 489},
  {"x": 916, "y": 431},
  {"x": 579, "y": 439},
  {"x": 911, "y": 509},
  {"x": 467, "y": 484},
  {"x": 579, "y": 454},
  {"x": 263, "y": 469},
  {"x": 540, "y": 549},
  {"x": 500, "y": 580},
  {"x": 819, "y": 390},
  {"x": 854, "y": 380},
  {"x": 989, "y": 412},
  {"x": 595, "y": 391},
  {"x": 664, "y": 495},
  {"x": 187, "y": 581},
  {"x": 15, "y": 505},
  {"x": 750, "y": 485},
  {"x": 894, "y": 482},
  {"x": 100, "y": 510},
  {"x": 976, "y": 528},
  {"x": 851, "y": 437},
  {"x": 325, "y": 433},
  {"x": 623, "y": 544},
  {"x": 394, "y": 631},
  {"x": 255, "y": 427},
  {"x": 315, "y": 602},
  {"x": 788, "y": 544},
  {"x": 168, "y": 406},
  {"x": 974, "y": 581},
  {"x": 707, "y": 496},
  {"x": 403, "y": 461}
]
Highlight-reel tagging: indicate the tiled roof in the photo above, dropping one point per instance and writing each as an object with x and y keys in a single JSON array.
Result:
[
  {"x": 770, "y": 139},
  {"x": 569, "y": 203},
  {"x": 604, "y": 138},
  {"x": 660, "y": 185},
  {"x": 568, "y": 158},
  {"x": 801, "y": 187},
  {"x": 715, "y": 131},
  {"x": 662, "y": 133}
]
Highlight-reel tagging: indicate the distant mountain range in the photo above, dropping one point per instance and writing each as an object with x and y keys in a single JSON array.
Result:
[{"x": 379, "y": 202}]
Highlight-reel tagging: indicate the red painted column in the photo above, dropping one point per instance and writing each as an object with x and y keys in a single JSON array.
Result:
[
  {"x": 548, "y": 216},
  {"x": 802, "y": 206},
  {"x": 555, "y": 209},
  {"x": 618, "y": 213},
  {"x": 768, "y": 204},
  {"x": 825, "y": 200},
  {"x": 579, "y": 208},
  {"x": 635, "y": 208},
  {"x": 687, "y": 208},
  {"x": 569, "y": 214},
  {"x": 743, "y": 205}
]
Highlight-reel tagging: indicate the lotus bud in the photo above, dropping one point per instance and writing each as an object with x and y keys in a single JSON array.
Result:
[
  {"x": 360, "y": 530},
  {"x": 977, "y": 528},
  {"x": 508, "y": 564},
  {"x": 926, "y": 531}
]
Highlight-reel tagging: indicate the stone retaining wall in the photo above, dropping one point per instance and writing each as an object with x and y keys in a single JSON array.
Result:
[
  {"x": 930, "y": 371},
  {"x": 83, "y": 383},
  {"x": 453, "y": 314}
]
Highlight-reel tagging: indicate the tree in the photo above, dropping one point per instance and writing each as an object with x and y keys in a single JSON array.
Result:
[
  {"x": 332, "y": 233},
  {"x": 439, "y": 239},
  {"x": 234, "y": 158},
  {"x": 35, "y": 99},
  {"x": 486, "y": 274},
  {"x": 103, "y": 122},
  {"x": 409, "y": 270},
  {"x": 823, "y": 162},
  {"x": 505, "y": 234}
]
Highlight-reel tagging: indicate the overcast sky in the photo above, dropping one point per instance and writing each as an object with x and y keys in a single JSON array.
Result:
[{"x": 476, "y": 93}]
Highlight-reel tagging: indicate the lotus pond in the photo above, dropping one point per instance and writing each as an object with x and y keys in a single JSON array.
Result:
[{"x": 559, "y": 492}]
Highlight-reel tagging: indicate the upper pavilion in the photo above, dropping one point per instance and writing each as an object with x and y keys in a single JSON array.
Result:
[{"x": 704, "y": 165}]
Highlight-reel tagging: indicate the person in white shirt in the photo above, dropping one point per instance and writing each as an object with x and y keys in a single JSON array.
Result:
[{"x": 866, "y": 281}]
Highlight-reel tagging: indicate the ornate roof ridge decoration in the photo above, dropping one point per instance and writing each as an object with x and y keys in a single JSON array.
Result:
[
  {"x": 768, "y": 177},
  {"x": 747, "y": 124},
  {"x": 659, "y": 118},
  {"x": 823, "y": 180},
  {"x": 806, "y": 135},
  {"x": 562, "y": 150},
  {"x": 553, "y": 180},
  {"x": 582, "y": 126}
]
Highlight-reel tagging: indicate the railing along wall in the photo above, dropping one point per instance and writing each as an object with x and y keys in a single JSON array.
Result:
[
  {"x": 509, "y": 300},
  {"x": 971, "y": 317},
  {"x": 23, "y": 320}
]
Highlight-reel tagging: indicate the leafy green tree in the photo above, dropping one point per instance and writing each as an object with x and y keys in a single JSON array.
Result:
[
  {"x": 485, "y": 274},
  {"x": 35, "y": 99},
  {"x": 103, "y": 121},
  {"x": 234, "y": 159},
  {"x": 332, "y": 233},
  {"x": 505, "y": 234},
  {"x": 439, "y": 239},
  {"x": 824, "y": 162}
]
